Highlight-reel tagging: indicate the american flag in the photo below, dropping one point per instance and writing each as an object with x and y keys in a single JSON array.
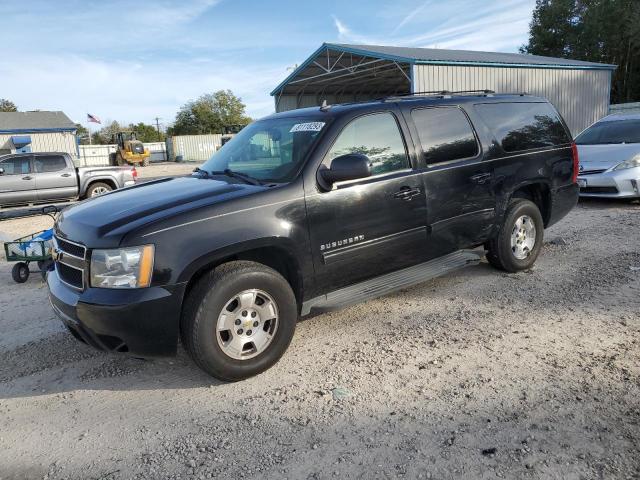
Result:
[{"x": 93, "y": 118}]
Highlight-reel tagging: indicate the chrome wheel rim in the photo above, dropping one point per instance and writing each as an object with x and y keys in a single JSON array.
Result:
[
  {"x": 523, "y": 237},
  {"x": 99, "y": 191},
  {"x": 247, "y": 324}
]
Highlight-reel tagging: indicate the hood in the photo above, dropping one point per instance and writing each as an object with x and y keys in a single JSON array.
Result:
[
  {"x": 605, "y": 156},
  {"x": 104, "y": 220}
]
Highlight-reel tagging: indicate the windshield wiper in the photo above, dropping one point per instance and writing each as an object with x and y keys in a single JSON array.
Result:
[{"x": 241, "y": 176}]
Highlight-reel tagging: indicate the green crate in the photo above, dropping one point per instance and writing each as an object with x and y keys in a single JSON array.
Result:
[{"x": 42, "y": 251}]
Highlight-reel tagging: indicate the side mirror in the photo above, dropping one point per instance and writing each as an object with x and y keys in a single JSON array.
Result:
[
  {"x": 351, "y": 166},
  {"x": 1, "y": 171}
]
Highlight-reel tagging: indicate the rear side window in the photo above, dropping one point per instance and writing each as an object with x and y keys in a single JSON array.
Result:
[
  {"x": 523, "y": 126},
  {"x": 445, "y": 134},
  {"x": 53, "y": 163},
  {"x": 378, "y": 137}
]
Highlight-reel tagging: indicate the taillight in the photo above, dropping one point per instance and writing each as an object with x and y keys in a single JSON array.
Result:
[
  {"x": 576, "y": 163},
  {"x": 134, "y": 172}
]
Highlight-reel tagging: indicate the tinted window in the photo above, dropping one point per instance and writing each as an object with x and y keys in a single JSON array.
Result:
[
  {"x": 53, "y": 163},
  {"x": 15, "y": 166},
  {"x": 618, "y": 131},
  {"x": 445, "y": 134},
  {"x": 378, "y": 137},
  {"x": 523, "y": 126}
]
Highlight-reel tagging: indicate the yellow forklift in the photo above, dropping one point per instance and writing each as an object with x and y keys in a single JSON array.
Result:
[{"x": 130, "y": 150}]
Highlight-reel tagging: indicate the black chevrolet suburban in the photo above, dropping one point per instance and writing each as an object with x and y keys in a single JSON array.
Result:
[{"x": 306, "y": 211}]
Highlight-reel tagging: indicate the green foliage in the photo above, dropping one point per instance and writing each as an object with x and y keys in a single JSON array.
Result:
[
  {"x": 82, "y": 134},
  {"x": 146, "y": 133},
  {"x": 7, "y": 105},
  {"x": 211, "y": 113},
  {"x": 105, "y": 134},
  {"x": 606, "y": 31}
]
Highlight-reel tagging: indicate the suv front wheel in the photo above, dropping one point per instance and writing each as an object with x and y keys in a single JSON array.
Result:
[
  {"x": 518, "y": 243},
  {"x": 238, "y": 320}
]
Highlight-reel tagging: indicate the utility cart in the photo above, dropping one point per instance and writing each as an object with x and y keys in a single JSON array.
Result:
[{"x": 35, "y": 247}]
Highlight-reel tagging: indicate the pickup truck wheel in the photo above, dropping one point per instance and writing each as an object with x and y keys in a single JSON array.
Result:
[
  {"x": 97, "y": 189},
  {"x": 518, "y": 243},
  {"x": 238, "y": 320}
]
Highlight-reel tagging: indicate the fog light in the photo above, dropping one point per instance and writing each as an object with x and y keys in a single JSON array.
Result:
[{"x": 634, "y": 184}]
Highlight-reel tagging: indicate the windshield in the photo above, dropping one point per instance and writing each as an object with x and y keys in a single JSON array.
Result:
[
  {"x": 617, "y": 131},
  {"x": 267, "y": 150}
]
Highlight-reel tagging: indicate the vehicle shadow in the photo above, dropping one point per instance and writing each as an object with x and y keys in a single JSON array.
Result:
[{"x": 59, "y": 363}]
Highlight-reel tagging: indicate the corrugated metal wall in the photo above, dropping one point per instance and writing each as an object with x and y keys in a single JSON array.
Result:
[
  {"x": 581, "y": 96},
  {"x": 194, "y": 147},
  {"x": 45, "y": 142}
]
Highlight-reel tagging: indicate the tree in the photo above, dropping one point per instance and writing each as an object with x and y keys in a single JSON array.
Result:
[
  {"x": 105, "y": 134},
  {"x": 146, "y": 133},
  {"x": 211, "y": 113},
  {"x": 606, "y": 31},
  {"x": 82, "y": 133},
  {"x": 7, "y": 105}
]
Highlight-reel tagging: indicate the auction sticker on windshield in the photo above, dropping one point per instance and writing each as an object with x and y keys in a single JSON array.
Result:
[{"x": 307, "y": 127}]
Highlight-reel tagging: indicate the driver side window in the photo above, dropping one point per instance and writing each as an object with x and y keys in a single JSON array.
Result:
[{"x": 378, "y": 137}]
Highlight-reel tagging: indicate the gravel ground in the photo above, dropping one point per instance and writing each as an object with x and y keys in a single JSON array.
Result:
[{"x": 479, "y": 374}]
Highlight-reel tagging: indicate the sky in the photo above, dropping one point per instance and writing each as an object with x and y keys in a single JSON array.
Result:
[{"x": 135, "y": 60}]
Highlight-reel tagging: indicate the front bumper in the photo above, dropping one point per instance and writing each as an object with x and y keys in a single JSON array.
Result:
[
  {"x": 614, "y": 184},
  {"x": 143, "y": 322}
]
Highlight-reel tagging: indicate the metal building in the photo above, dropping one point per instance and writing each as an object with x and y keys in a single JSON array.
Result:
[
  {"x": 37, "y": 131},
  {"x": 345, "y": 73}
]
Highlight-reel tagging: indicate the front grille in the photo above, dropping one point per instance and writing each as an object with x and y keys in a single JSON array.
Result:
[
  {"x": 592, "y": 172},
  {"x": 70, "y": 275},
  {"x": 70, "y": 262},
  {"x": 599, "y": 190},
  {"x": 71, "y": 248}
]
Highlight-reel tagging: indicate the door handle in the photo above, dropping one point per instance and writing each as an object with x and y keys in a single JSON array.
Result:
[
  {"x": 65, "y": 175},
  {"x": 407, "y": 193},
  {"x": 26, "y": 178},
  {"x": 481, "y": 178}
]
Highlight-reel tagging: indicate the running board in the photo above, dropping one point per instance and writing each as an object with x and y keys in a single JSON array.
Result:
[{"x": 392, "y": 282}]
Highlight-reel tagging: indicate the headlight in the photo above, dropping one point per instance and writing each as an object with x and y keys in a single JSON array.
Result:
[
  {"x": 632, "y": 163},
  {"x": 129, "y": 267}
]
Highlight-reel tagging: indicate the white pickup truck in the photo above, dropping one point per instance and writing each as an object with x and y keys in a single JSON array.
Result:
[{"x": 28, "y": 178}]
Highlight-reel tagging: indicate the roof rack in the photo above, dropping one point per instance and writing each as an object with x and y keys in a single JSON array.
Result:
[{"x": 439, "y": 93}]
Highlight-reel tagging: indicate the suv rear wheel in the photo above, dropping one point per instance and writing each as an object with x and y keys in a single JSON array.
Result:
[
  {"x": 518, "y": 243},
  {"x": 238, "y": 320}
]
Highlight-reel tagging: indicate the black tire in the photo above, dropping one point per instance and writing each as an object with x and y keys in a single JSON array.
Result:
[
  {"x": 20, "y": 272},
  {"x": 500, "y": 253},
  {"x": 206, "y": 301},
  {"x": 98, "y": 186},
  {"x": 112, "y": 159},
  {"x": 119, "y": 160}
]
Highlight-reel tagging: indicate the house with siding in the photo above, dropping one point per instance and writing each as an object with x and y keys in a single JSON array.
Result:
[{"x": 37, "y": 131}]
